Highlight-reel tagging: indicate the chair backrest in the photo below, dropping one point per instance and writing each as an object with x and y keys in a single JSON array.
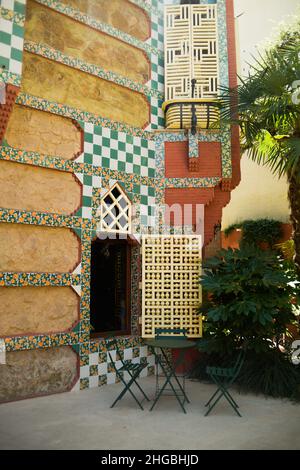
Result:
[
  {"x": 165, "y": 333},
  {"x": 112, "y": 344},
  {"x": 239, "y": 363}
]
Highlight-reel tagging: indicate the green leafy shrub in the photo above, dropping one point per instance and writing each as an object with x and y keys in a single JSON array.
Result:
[
  {"x": 259, "y": 231},
  {"x": 268, "y": 372},
  {"x": 250, "y": 298}
]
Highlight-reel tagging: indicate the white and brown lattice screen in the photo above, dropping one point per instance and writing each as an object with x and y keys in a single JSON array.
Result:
[
  {"x": 191, "y": 51},
  {"x": 171, "y": 289},
  {"x": 115, "y": 211}
]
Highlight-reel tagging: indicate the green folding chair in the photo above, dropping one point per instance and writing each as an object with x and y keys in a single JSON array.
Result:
[
  {"x": 224, "y": 377},
  {"x": 133, "y": 371}
]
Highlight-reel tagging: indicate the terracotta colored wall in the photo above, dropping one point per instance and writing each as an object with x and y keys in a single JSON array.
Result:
[
  {"x": 121, "y": 14},
  {"x": 37, "y": 310},
  {"x": 176, "y": 160},
  {"x": 232, "y": 69},
  {"x": 234, "y": 238},
  {"x": 57, "y": 82},
  {"x": 32, "y": 248},
  {"x": 75, "y": 39},
  {"x": 39, "y": 372},
  {"x": 183, "y": 196},
  {"x": 37, "y": 131},
  {"x": 32, "y": 188}
]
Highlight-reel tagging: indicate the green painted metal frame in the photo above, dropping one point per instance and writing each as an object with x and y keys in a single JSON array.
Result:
[
  {"x": 224, "y": 377},
  {"x": 133, "y": 370}
]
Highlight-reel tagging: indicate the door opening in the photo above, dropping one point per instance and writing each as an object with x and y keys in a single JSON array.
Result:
[{"x": 110, "y": 287}]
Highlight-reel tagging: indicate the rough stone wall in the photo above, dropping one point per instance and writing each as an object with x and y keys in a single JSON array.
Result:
[
  {"x": 38, "y": 189},
  {"x": 36, "y": 310},
  {"x": 77, "y": 40},
  {"x": 56, "y": 82},
  {"x": 39, "y": 372},
  {"x": 37, "y": 131},
  {"x": 121, "y": 14},
  {"x": 31, "y": 248}
]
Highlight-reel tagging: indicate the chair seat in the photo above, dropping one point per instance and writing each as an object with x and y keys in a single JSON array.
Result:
[
  {"x": 221, "y": 371},
  {"x": 133, "y": 367}
]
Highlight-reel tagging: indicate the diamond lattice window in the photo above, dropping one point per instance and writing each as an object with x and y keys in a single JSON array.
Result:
[
  {"x": 171, "y": 289},
  {"x": 115, "y": 211}
]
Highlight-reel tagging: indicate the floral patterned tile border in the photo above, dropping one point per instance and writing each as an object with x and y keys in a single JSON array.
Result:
[
  {"x": 103, "y": 27},
  {"x": 50, "y": 53},
  {"x": 14, "y": 16},
  {"x": 12, "y": 279},
  {"x": 16, "y": 216},
  {"x": 42, "y": 104},
  {"x": 9, "y": 77}
]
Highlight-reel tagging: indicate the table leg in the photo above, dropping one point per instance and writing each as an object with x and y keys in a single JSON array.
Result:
[{"x": 169, "y": 376}]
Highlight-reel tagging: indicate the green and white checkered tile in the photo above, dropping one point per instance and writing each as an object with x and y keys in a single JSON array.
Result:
[
  {"x": 11, "y": 46},
  {"x": 157, "y": 73},
  {"x": 157, "y": 115},
  {"x": 108, "y": 148},
  {"x": 76, "y": 288},
  {"x": 147, "y": 206},
  {"x": 17, "y": 6},
  {"x": 87, "y": 196},
  {"x": 157, "y": 33}
]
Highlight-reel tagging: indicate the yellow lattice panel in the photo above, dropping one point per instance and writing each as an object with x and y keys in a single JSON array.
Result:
[
  {"x": 191, "y": 51},
  {"x": 171, "y": 289}
]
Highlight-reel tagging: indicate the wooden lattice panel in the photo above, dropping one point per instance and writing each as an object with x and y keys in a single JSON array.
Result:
[
  {"x": 171, "y": 289},
  {"x": 191, "y": 51}
]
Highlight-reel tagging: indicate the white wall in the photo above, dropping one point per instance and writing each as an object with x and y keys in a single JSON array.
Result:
[{"x": 259, "y": 194}]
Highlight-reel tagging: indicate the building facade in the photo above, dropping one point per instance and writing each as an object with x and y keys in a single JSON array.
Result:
[{"x": 85, "y": 150}]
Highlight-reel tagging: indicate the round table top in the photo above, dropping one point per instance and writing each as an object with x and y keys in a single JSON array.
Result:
[{"x": 170, "y": 343}]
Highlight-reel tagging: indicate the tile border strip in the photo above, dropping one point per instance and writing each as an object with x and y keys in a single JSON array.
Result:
[
  {"x": 98, "y": 25},
  {"x": 48, "y": 52}
]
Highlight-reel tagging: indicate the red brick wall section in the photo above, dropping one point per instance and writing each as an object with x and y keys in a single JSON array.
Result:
[
  {"x": 213, "y": 213},
  {"x": 5, "y": 109},
  {"x": 235, "y": 143},
  {"x": 182, "y": 196},
  {"x": 177, "y": 160},
  {"x": 214, "y": 200}
]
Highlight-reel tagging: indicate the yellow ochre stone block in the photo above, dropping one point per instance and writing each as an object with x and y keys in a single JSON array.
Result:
[
  {"x": 78, "y": 40},
  {"x": 121, "y": 14},
  {"x": 40, "y": 372},
  {"x": 32, "y": 188},
  {"x": 37, "y": 131},
  {"x": 56, "y": 82},
  {"x": 29, "y": 248},
  {"x": 37, "y": 310}
]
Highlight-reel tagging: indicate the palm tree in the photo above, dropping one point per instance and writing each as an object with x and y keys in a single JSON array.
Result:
[{"x": 266, "y": 106}]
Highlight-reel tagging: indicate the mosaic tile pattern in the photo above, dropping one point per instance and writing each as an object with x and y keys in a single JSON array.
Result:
[
  {"x": 9, "y": 11},
  {"x": 105, "y": 28},
  {"x": 193, "y": 145},
  {"x": 119, "y": 151},
  {"x": 39, "y": 279},
  {"x": 48, "y": 52},
  {"x": 112, "y": 152},
  {"x": 78, "y": 115},
  {"x": 97, "y": 370},
  {"x": 11, "y": 45}
]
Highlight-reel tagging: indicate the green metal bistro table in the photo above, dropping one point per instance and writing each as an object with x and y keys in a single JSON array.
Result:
[{"x": 168, "y": 369}]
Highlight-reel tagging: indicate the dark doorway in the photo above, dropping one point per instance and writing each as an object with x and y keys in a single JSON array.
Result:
[{"x": 110, "y": 287}]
